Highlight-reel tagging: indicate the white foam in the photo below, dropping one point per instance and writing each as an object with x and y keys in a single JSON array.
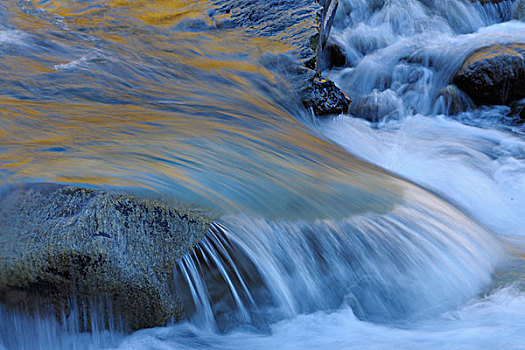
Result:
[
  {"x": 481, "y": 170},
  {"x": 495, "y": 322}
]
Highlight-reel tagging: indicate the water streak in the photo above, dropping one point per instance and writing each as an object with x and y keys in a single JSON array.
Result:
[{"x": 315, "y": 247}]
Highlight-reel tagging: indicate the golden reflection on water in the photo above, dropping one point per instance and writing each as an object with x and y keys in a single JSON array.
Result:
[
  {"x": 153, "y": 12},
  {"x": 193, "y": 115}
]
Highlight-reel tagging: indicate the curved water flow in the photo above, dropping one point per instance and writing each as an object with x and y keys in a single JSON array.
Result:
[
  {"x": 168, "y": 110},
  {"x": 316, "y": 247}
]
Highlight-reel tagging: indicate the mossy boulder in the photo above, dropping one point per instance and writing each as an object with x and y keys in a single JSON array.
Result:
[
  {"x": 493, "y": 75},
  {"x": 63, "y": 243}
]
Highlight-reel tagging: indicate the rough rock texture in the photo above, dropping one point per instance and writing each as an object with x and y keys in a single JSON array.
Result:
[
  {"x": 494, "y": 74},
  {"x": 58, "y": 242},
  {"x": 325, "y": 98},
  {"x": 303, "y": 24}
]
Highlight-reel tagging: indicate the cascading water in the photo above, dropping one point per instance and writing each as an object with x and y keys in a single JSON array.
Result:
[
  {"x": 397, "y": 72},
  {"x": 385, "y": 266},
  {"x": 314, "y": 248}
]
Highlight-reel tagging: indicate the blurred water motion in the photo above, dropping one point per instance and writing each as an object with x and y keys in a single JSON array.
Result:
[
  {"x": 313, "y": 247},
  {"x": 152, "y": 97}
]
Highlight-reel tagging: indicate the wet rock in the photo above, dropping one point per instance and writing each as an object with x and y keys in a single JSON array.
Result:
[
  {"x": 62, "y": 243},
  {"x": 334, "y": 56},
  {"x": 493, "y": 75},
  {"x": 325, "y": 98},
  {"x": 304, "y": 25},
  {"x": 378, "y": 106},
  {"x": 452, "y": 101},
  {"x": 517, "y": 111}
]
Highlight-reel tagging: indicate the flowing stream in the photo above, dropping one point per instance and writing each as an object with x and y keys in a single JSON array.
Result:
[{"x": 404, "y": 231}]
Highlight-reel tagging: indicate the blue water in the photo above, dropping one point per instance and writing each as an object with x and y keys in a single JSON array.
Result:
[{"x": 404, "y": 232}]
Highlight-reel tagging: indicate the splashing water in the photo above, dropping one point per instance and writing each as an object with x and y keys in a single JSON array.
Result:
[
  {"x": 315, "y": 248},
  {"x": 474, "y": 158}
]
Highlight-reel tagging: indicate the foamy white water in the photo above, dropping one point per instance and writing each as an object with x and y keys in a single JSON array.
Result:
[
  {"x": 475, "y": 159},
  {"x": 479, "y": 169}
]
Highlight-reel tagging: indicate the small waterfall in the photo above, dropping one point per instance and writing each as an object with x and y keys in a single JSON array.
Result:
[
  {"x": 418, "y": 260},
  {"x": 216, "y": 280},
  {"x": 401, "y": 55},
  {"x": 87, "y": 324}
]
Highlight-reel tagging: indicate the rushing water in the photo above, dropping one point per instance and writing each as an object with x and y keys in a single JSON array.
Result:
[{"x": 316, "y": 247}]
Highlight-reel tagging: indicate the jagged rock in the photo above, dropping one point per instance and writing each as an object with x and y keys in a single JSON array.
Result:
[
  {"x": 494, "y": 74},
  {"x": 59, "y": 243},
  {"x": 325, "y": 98}
]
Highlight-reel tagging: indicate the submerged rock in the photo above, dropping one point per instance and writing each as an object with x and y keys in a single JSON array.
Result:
[
  {"x": 62, "y": 243},
  {"x": 494, "y": 75},
  {"x": 378, "y": 106}
]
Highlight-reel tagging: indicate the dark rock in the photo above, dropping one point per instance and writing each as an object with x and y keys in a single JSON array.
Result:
[
  {"x": 325, "y": 98},
  {"x": 517, "y": 111},
  {"x": 59, "y": 243},
  {"x": 378, "y": 106},
  {"x": 494, "y": 75},
  {"x": 335, "y": 56}
]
